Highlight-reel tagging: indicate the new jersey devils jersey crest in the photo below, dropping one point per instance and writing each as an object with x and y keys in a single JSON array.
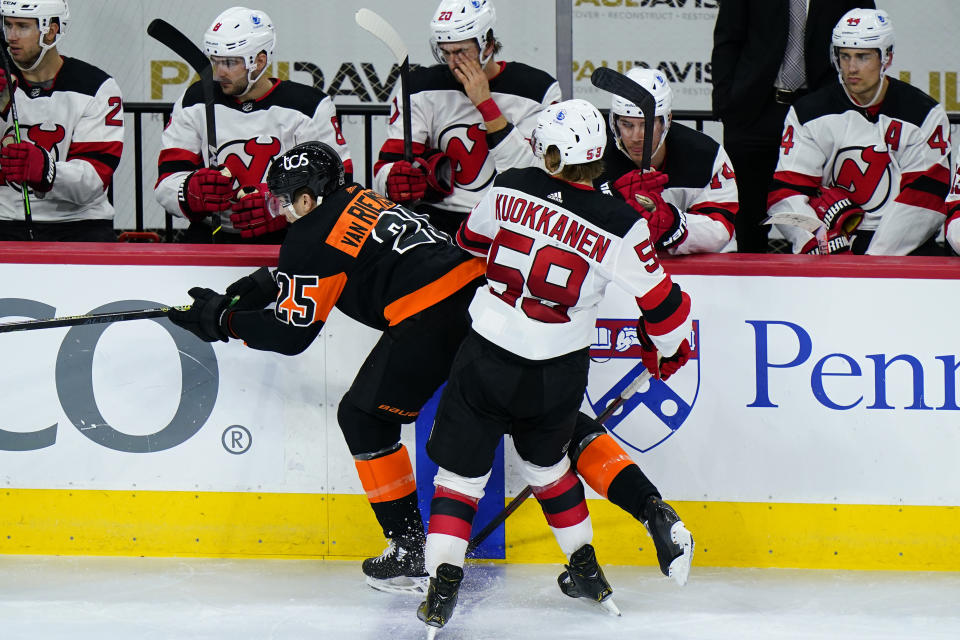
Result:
[
  {"x": 867, "y": 173},
  {"x": 248, "y": 160},
  {"x": 652, "y": 414},
  {"x": 467, "y": 147}
]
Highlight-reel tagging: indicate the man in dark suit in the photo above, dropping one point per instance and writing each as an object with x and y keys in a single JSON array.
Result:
[{"x": 766, "y": 54}]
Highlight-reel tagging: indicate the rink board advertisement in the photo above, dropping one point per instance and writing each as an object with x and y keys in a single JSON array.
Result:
[{"x": 817, "y": 424}]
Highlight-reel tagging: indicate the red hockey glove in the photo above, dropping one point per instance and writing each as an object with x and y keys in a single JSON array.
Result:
[
  {"x": 25, "y": 162},
  {"x": 660, "y": 368},
  {"x": 205, "y": 191},
  {"x": 4, "y": 81},
  {"x": 406, "y": 182},
  {"x": 837, "y": 210},
  {"x": 635, "y": 181},
  {"x": 436, "y": 165},
  {"x": 251, "y": 216},
  {"x": 837, "y": 242}
]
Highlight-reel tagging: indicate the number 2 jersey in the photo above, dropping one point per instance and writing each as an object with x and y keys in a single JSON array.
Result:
[
  {"x": 78, "y": 119},
  {"x": 374, "y": 260},
  {"x": 552, "y": 247},
  {"x": 894, "y": 158},
  {"x": 250, "y": 134}
]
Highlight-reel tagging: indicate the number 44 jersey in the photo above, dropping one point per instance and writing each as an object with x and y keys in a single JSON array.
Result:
[
  {"x": 552, "y": 247},
  {"x": 376, "y": 261}
]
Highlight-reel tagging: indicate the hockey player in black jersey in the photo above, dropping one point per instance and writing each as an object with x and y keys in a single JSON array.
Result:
[
  {"x": 258, "y": 118},
  {"x": 71, "y": 126},
  {"x": 385, "y": 267},
  {"x": 471, "y": 116}
]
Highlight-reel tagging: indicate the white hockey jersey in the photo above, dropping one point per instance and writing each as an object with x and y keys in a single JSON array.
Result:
[
  {"x": 552, "y": 248},
  {"x": 443, "y": 117},
  {"x": 701, "y": 184},
  {"x": 894, "y": 158},
  {"x": 250, "y": 135},
  {"x": 952, "y": 226},
  {"x": 79, "y": 121}
]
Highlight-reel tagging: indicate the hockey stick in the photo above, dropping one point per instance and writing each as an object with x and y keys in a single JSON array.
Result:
[
  {"x": 27, "y": 214},
  {"x": 381, "y": 29},
  {"x": 93, "y": 318},
  {"x": 621, "y": 85},
  {"x": 173, "y": 38},
  {"x": 484, "y": 533}
]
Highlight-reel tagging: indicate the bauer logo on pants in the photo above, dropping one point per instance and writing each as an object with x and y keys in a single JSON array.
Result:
[{"x": 654, "y": 413}]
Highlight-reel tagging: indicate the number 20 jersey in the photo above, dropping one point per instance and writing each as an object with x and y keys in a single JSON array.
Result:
[{"x": 552, "y": 247}]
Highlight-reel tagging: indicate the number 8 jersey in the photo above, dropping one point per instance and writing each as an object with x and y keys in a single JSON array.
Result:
[{"x": 552, "y": 247}]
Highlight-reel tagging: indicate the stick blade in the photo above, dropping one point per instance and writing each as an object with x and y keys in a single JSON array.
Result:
[
  {"x": 173, "y": 38},
  {"x": 619, "y": 84},
  {"x": 374, "y": 23}
]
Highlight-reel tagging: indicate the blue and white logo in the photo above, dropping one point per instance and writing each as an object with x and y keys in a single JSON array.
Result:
[
  {"x": 256, "y": 20},
  {"x": 652, "y": 414},
  {"x": 561, "y": 115}
]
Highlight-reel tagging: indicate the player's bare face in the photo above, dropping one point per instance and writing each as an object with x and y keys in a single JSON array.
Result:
[
  {"x": 458, "y": 53},
  {"x": 231, "y": 73},
  {"x": 860, "y": 70},
  {"x": 23, "y": 37},
  {"x": 631, "y": 136}
]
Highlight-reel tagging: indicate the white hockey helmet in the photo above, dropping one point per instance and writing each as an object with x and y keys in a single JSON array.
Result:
[
  {"x": 863, "y": 29},
  {"x": 656, "y": 83},
  {"x": 456, "y": 20},
  {"x": 575, "y": 128},
  {"x": 44, "y": 11},
  {"x": 244, "y": 33}
]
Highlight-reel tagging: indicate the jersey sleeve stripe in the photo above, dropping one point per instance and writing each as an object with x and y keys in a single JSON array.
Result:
[
  {"x": 722, "y": 212},
  {"x": 473, "y": 242},
  {"x": 430, "y": 294},
  {"x": 655, "y": 297},
  {"x": 670, "y": 322},
  {"x": 789, "y": 183},
  {"x": 392, "y": 150},
  {"x": 926, "y": 189},
  {"x": 180, "y": 155}
]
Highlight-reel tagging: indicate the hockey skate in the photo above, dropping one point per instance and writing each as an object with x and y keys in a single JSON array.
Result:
[
  {"x": 437, "y": 609},
  {"x": 584, "y": 579},
  {"x": 673, "y": 542},
  {"x": 399, "y": 569}
]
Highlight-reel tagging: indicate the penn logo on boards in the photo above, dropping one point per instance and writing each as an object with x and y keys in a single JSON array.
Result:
[{"x": 651, "y": 415}]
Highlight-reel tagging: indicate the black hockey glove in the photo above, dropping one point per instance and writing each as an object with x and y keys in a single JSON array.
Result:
[
  {"x": 254, "y": 291},
  {"x": 207, "y": 317}
]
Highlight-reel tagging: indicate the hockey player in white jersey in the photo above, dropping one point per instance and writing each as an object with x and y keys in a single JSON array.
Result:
[
  {"x": 258, "y": 118},
  {"x": 692, "y": 190},
  {"x": 952, "y": 225},
  {"x": 71, "y": 127},
  {"x": 471, "y": 116},
  {"x": 868, "y": 156},
  {"x": 553, "y": 244}
]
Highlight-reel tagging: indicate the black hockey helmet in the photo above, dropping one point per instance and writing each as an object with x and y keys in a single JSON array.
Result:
[{"x": 313, "y": 166}]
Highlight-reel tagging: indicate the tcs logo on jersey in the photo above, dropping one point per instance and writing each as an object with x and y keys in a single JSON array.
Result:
[
  {"x": 248, "y": 160},
  {"x": 867, "y": 173},
  {"x": 468, "y": 151},
  {"x": 651, "y": 415}
]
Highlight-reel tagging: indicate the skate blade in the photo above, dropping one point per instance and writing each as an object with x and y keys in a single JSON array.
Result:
[
  {"x": 432, "y": 632},
  {"x": 402, "y": 584},
  {"x": 679, "y": 568},
  {"x": 607, "y": 606}
]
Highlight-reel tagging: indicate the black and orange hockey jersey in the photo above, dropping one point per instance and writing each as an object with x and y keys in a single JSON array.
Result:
[{"x": 375, "y": 261}]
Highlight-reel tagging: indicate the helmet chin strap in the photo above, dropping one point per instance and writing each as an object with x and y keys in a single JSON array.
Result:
[
  {"x": 876, "y": 96},
  {"x": 44, "y": 48},
  {"x": 252, "y": 81}
]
